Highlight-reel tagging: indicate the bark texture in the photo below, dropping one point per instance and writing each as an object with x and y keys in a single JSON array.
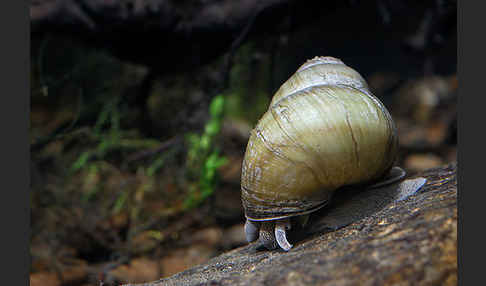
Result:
[{"x": 407, "y": 241}]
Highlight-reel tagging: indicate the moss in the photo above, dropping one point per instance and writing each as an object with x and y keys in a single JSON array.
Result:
[{"x": 249, "y": 93}]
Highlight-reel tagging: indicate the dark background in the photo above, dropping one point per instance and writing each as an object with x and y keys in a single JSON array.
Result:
[{"x": 120, "y": 101}]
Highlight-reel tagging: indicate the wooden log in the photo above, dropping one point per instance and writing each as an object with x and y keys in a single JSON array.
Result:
[{"x": 408, "y": 241}]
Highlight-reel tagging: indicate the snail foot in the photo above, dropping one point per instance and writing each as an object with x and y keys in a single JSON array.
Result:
[
  {"x": 267, "y": 236},
  {"x": 394, "y": 175}
]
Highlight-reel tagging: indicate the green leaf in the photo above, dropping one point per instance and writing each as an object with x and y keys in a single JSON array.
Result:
[
  {"x": 221, "y": 161},
  {"x": 87, "y": 196},
  {"x": 212, "y": 127},
  {"x": 155, "y": 166},
  {"x": 155, "y": 234},
  {"x": 205, "y": 142},
  {"x": 115, "y": 120},
  {"x": 209, "y": 174},
  {"x": 102, "y": 118},
  {"x": 81, "y": 162},
  {"x": 206, "y": 192},
  {"x": 120, "y": 202},
  {"x": 214, "y": 161},
  {"x": 217, "y": 105}
]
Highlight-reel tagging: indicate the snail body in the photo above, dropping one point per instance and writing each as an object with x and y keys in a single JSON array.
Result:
[{"x": 323, "y": 130}]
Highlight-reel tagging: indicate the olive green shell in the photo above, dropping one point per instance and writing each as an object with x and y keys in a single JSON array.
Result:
[{"x": 323, "y": 130}]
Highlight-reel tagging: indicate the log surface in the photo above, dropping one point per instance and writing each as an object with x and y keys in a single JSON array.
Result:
[{"x": 410, "y": 241}]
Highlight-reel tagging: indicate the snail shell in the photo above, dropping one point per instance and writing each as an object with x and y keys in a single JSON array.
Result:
[{"x": 323, "y": 130}]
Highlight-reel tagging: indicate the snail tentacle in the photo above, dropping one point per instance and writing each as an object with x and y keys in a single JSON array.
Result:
[
  {"x": 281, "y": 227},
  {"x": 251, "y": 230}
]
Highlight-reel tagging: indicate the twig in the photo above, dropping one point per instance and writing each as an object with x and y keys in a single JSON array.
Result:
[
  {"x": 145, "y": 153},
  {"x": 60, "y": 133},
  {"x": 234, "y": 46},
  {"x": 103, "y": 274}
]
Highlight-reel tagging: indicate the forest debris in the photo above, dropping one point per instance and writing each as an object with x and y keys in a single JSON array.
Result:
[
  {"x": 210, "y": 236},
  {"x": 237, "y": 129},
  {"x": 231, "y": 171},
  {"x": 381, "y": 82},
  {"x": 137, "y": 271},
  {"x": 420, "y": 162},
  {"x": 427, "y": 136},
  {"x": 145, "y": 241},
  {"x": 153, "y": 151},
  {"x": 418, "y": 99},
  {"x": 451, "y": 154},
  {"x": 234, "y": 236},
  {"x": 68, "y": 275},
  {"x": 75, "y": 273},
  {"x": 408, "y": 242},
  {"x": 44, "y": 279},
  {"x": 182, "y": 259},
  {"x": 227, "y": 203},
  {"x": 436, "y": 132}
]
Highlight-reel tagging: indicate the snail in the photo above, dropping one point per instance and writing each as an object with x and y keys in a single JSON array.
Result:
[{"x": 323, "y": 130}]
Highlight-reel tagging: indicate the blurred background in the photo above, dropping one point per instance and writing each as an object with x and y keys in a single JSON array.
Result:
[{"x": 141, "y": 111}]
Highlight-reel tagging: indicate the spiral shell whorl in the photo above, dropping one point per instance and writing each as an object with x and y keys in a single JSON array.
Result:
[
  {"x": 320, "y": 71},
  {"x": 323, "y": 130}
]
